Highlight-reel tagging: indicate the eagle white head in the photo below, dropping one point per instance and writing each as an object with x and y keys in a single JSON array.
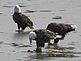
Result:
[
  {"x": 74, "y": 26},
  {"x": 17, "y": 9},
  {"x": 32, "y": 35}
]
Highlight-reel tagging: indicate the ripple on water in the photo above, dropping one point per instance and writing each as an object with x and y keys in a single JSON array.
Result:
[
  {"x": 45, "y": 11},
  {"x": 57, "y": 17},
  {"x": 1, "y": 42},
  {"x": 7, "y": 6},
  {"x": 29, "y": 11},
  {"x": 48, "y": 55},
  {"x": 22, "y": 5},
  {"x": 1, "y": 13},
  {"x": 55, "y": 52}
]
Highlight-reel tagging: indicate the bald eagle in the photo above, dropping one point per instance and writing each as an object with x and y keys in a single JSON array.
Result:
[
  {"x": 22, "y": 20},
  {"x": 61, "y": 28},
  {"x": 42, "y": 36}
]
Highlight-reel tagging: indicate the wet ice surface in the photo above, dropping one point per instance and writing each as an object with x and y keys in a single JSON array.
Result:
[{"x": 14, "y": 46}]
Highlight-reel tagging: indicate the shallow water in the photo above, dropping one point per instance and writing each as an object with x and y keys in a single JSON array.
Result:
[{"x": 41, "y": 12}]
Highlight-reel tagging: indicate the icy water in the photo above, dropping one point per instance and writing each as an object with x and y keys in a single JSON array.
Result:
[{"x": 14, "y": 46}]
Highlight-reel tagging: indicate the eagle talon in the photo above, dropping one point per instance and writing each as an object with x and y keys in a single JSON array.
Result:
[
  {"x": 38, "y": 50},
  {"x": 19, "y": 30}
]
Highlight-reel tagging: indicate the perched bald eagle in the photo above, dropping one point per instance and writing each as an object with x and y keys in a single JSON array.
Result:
[
  {"x": 61, "y": 28},
  {"x": 22, "y": 20},
  {"x": 42, "y": 36}
]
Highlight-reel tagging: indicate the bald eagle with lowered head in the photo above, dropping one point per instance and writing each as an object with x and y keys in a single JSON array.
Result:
[
  {"x": 42, "y": 36},
  {"x": 61, "y": 28},
  {"x": 22, "y": 20}
]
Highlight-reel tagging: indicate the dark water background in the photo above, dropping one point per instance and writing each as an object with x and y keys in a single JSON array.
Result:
[{"x": 42, "y": 13}]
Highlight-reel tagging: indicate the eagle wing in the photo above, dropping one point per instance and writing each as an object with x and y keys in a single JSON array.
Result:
[
  {"x": 26, "y": 20},
  {"x": 22, "y": 20}
]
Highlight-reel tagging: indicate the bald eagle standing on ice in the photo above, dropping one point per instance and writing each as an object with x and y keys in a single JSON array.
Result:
[
  {"x": 61, "y": 28},
  {"x": 42, "y": 36},
  {"x": 22, "y": 20}
]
